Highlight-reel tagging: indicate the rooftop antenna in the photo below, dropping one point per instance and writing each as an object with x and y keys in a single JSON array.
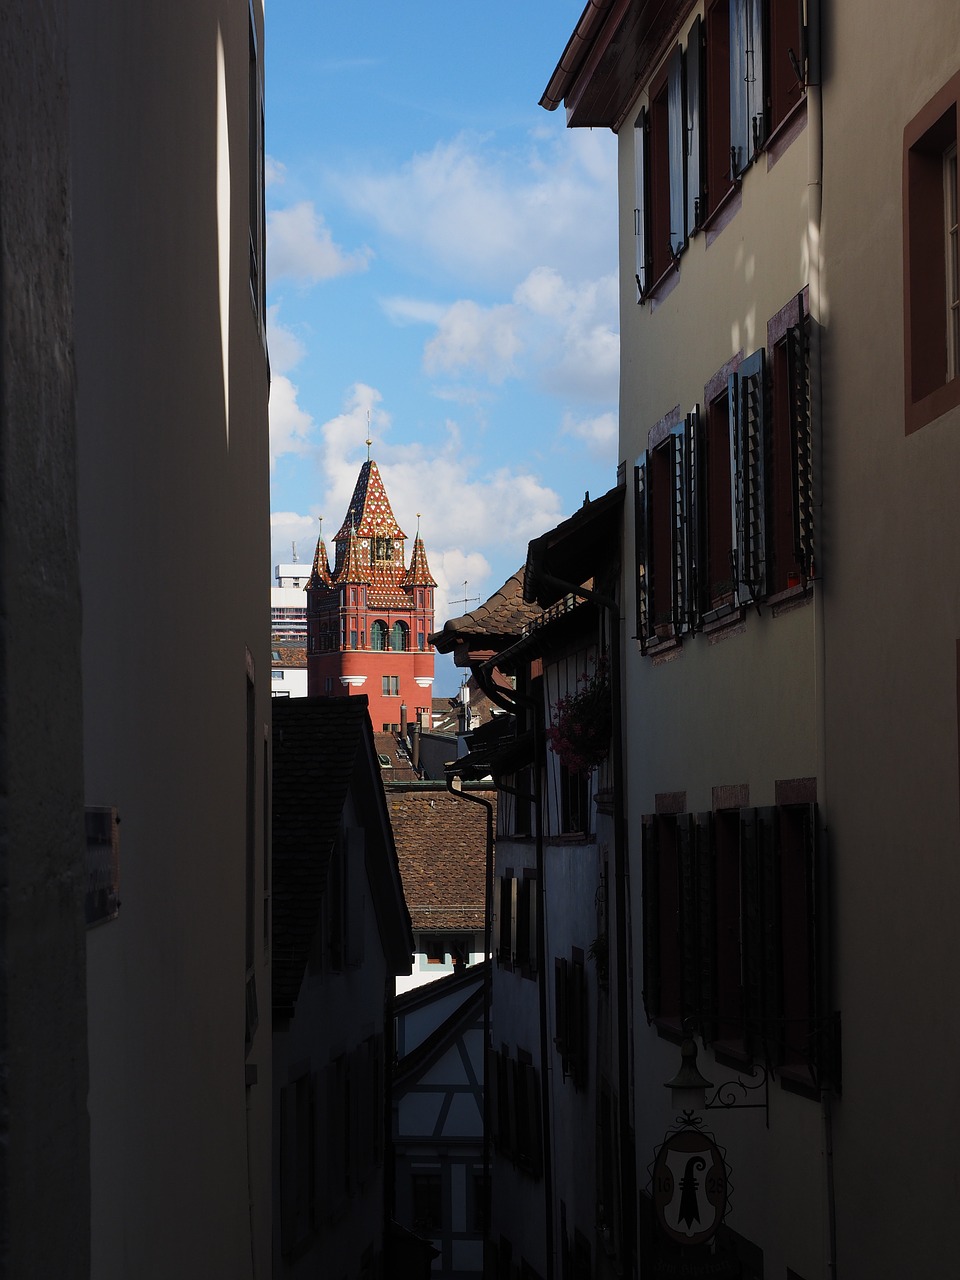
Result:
[{"x": 466, "y": 599}]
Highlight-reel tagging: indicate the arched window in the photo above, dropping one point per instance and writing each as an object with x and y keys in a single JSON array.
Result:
[
  {"x": 398, "y": 636},
  {"x": 378, "y": 636}
]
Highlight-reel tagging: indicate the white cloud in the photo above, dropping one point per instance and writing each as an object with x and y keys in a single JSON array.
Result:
[
  {"x": 274, "y": 172},
  {"x": 477, "y": 519},
  {"x": 287, "y": 528},
  {"x": 301, "y": 247},
  {"x": 483, "y": 339},
  {"x": 562, "y": 337},
  {"x": 291, "y": 427},
  {"x": 286, "y": 349},
  {"x": 598, "y": 433},
  {"x": 488, "y": 216}
]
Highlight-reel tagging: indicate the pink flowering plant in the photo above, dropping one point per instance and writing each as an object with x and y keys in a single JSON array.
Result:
[{"x": 583, "y": 722}]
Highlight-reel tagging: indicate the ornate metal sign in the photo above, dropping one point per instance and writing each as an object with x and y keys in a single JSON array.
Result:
[{"x": 689, "y": 1187}]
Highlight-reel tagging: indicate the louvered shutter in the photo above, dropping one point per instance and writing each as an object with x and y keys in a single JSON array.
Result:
[
  {"x": 751, "y": 930},
  {"x": 772, "y": 963},
  {"x": 562, "y": 1013},
  {"x": 740, "y": 149},
  {"x": 578, "y": 1022},
  {"x": 650, "y": 876},
  {"x": 689, "y": 916},
  {"x": 642, "y": 543},
  {"x": 707, "y": 923},
  {"x": 798, "y": 374},
  {"x": 694, "y": 525},
  {"x": 694, "y": 139},
  {"x": 677, "y": 152},
  {"x": 678, "y": 558},
  {"x": 491, "y": 1084},
  {"x": 641, "y": 219},
  {"x": 748, "y": 446},
  {"x": 756, "y": 75}
]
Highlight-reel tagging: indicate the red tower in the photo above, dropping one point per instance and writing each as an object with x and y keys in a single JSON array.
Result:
[{"x": 368, "y": 620}]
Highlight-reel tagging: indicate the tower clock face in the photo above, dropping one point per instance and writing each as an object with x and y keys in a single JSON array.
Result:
[{"x": 365, "y": 543}]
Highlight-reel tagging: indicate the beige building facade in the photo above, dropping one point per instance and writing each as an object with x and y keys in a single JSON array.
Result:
[{"x": 789, "y": 425}]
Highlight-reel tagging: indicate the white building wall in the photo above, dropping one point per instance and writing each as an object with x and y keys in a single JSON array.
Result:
[{"x": 172, "y": 372}]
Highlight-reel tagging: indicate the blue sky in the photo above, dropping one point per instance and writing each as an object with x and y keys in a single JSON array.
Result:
[{"x": 441, "y": 254}]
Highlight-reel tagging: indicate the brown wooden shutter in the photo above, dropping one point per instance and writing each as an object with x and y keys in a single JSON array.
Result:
[
  {"x": 689, "y": 917},
  {"x": 650, "y": 876},
  {"x": 707, "y": 924},
  {"x": 641, "y": 212}
]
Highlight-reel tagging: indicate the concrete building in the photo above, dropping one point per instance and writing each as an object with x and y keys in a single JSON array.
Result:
[
  {"x": 789, "y": 424},
  {"x": 134, "y": 429}
]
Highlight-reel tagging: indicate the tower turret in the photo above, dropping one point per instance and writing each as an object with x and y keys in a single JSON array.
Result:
[{"x": 368, "y": 620}]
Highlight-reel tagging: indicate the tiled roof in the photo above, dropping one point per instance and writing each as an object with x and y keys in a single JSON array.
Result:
[
  {"x": 441, "y": 844},
  {"x": 286, "y": 655},
  {"x": 320, "y": 573},
  {"x": 353, "y": 568},
  {"x": 400, "y": 768},
  {"x": 500, "y": 618},
  {"x": 316, "y": 742},
  {"x": 369, "y": 512},
  {"x": 418, "y": 575}
]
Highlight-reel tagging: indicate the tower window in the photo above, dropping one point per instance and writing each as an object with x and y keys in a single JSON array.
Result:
[
  {"x": 391, "y": 686},
  {"x": 382, "y": 548},
  {"x": 378, "y": 636},
  {"x": 398, "y": 637}
]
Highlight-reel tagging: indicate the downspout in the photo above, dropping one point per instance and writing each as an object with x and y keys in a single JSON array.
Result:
[
  {"x": 817, "y": 313},
  {"x": 621, "y": 871},
  {"x": 455, "y": 787}
]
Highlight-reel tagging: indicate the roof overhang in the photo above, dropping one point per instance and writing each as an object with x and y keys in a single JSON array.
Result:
[
  {"x": 608, "y": 57},
  {"x": 576, "y": 550}
]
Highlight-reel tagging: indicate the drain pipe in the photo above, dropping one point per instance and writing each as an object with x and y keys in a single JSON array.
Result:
[
  {"x": 817, "y": 312},
  {"x": 621, "y": 871}
]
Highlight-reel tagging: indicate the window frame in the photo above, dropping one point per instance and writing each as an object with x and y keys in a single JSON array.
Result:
[{"x": 929, "y": 391}]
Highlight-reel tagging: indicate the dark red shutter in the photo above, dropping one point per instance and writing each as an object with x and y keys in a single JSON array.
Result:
[{"x": 650, "y": 875}]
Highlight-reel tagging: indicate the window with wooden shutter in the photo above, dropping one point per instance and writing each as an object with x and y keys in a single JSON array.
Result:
[
  {"x": 801, "y": 440},
  {"x": 694, "y": 81},
  {"x": 677, "y": 153},
  {"x": 642, "y": 544},
  {"x": 801, "y": 910},
  {"x": 785, "y": 69},
  {"x": 640, "y": 213},
  {"x": 748, "y": 466},
  {"x": 650, "y": 889},
  {"x": 694, "y": 524},
  {"x": 719, "y": 176},
  {"x": 748, "y": 117}
]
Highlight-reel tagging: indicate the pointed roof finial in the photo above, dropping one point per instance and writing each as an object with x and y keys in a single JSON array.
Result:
[
  {"x": 418, "y": 524},
  {"x": 369, "y": 440}
]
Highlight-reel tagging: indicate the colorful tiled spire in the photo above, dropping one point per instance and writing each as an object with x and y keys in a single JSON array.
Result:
[
  {"x": 369, "y": 514},
  {"x": 418, "y": 575},
  {"x": 354, "y": 567},
  {"x": 320, "y": 573}
]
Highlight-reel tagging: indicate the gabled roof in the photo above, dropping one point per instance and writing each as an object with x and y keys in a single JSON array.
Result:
[
  {"x": 441, "y": 843},
  {"x": 574, "y": 551},
  {"x": 608, "y": 57},
  {"x": 321, "y": 748},
  {"x": 497, "y": 622}
]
